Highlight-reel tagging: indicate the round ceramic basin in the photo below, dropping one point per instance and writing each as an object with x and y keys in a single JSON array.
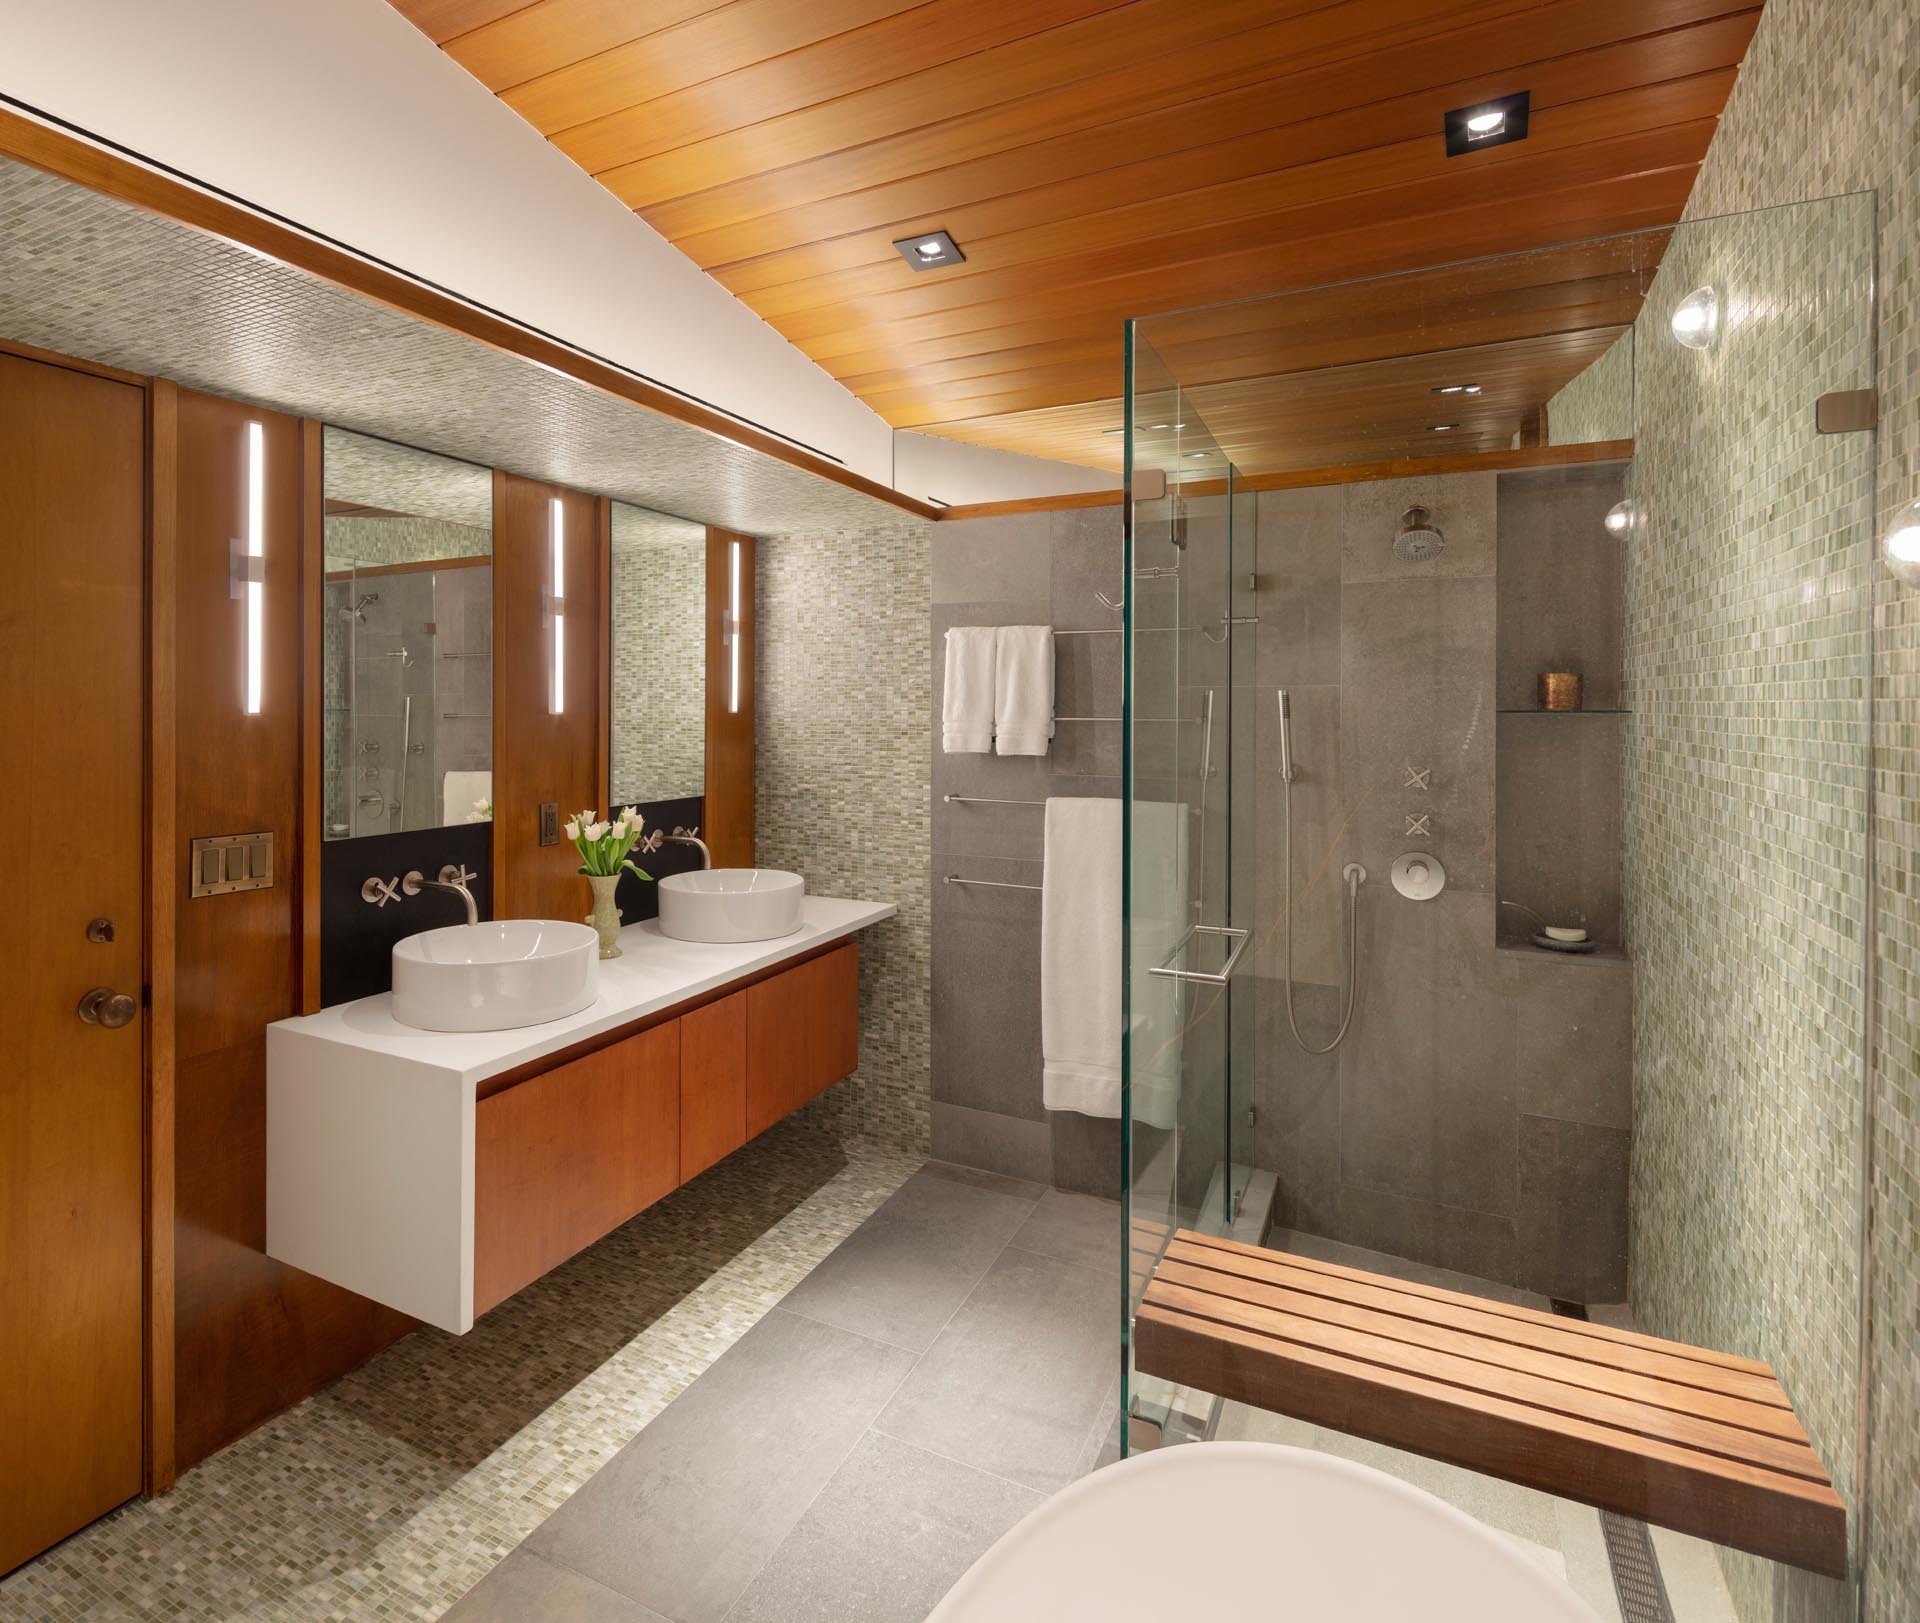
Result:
[
  {"x": 1254, "y": 1530},
  {"x": 731, "y": 904},
  {"x": 495, "y": 976}
]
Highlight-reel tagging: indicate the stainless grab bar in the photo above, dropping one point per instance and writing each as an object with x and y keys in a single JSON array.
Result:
[{"x": 1164, "y": 969}]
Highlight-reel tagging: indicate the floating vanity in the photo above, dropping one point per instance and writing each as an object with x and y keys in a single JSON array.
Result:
[{"x": 439, "y": 1172}]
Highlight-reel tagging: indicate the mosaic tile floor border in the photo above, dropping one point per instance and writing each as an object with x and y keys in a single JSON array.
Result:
[{"x": 392, "y": 1492}]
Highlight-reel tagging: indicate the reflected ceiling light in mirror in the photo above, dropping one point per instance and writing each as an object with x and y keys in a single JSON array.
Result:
[
  {"x": 1902, "y": 546},
  {"x": 1486, "y": 124},
  {"x": 1620, "y": 519},
  {"x": 1696, "y": 319},
  {"x": 247, "y": 572},
  {"x": 557, "y": 606}
]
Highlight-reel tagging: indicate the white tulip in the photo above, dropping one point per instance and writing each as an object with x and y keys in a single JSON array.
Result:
[
  {"x": 597, "y": 832},
  {"x": 572, "y": 830}
]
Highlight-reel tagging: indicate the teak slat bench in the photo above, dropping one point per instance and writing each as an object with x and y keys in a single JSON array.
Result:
[{"x": 1693, "y": 1440}]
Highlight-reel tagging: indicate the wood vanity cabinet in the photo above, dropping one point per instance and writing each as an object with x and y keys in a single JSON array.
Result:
[
  {"x": 568, "y": 1155},
  {"x": 803, "y": 1034}
]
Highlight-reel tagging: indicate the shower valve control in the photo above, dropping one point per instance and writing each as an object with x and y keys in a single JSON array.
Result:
[
  {"x": 1419, "y": 827},
  {"x": 1418, "y": 876}
]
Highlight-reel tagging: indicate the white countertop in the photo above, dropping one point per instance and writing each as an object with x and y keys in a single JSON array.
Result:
[{"x": 654, "y": 973}]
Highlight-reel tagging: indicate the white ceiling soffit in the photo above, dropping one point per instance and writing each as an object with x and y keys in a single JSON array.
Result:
[{"x": 86, "y": 276}]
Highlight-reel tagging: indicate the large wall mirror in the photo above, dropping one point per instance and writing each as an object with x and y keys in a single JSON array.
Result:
[
  {"x": 407, "y": 735},
  {"x": 658, "y": 715}
]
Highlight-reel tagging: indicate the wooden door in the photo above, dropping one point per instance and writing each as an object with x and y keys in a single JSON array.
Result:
[{"x": 72, "y": 815}]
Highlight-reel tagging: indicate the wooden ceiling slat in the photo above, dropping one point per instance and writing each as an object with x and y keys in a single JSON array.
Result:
[
  {"x": 870, "y": 75},
  {"x": 1209, "y": 147},
  {"x": 1166, "y": 46},
  {"x": 1069, "y": 242},
  {"x": 1181, "y": 263},
  {"x": 1005, "y": 148},
  {"x": 550, "y": 35},
  {"x": 757, "y": 59},
  {"x": 1102, "y": 158},
  {"x": 442, "y": 20}
]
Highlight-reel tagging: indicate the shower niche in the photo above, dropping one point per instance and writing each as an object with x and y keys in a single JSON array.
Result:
[{"x": 1557, "y": 811}]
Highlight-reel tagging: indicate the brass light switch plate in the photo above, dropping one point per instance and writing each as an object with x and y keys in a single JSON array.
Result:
[{"x": 223, "y": 863}]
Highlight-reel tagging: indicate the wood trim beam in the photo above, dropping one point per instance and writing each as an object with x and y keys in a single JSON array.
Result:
[
  {"x": 1353, "y": 473},
  {"x": 312, "y": 831},
  {"x": 67, "y": 157},
  {"x": 163, "y": 400}
]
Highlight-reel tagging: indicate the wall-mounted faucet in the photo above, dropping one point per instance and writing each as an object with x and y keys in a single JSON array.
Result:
[
  {"x": 453, "y": 880},
  {"x": 691, "y": 836}
]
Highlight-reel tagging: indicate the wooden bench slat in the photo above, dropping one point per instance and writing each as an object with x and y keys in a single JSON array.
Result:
[
  {"x": 1556, "y": 1400},
  {"x": 1437, "y": 1293},
  {"x": 1703, "y": 1442},
  {"x": 1576, "y": 1372},
  {"x": 1545, "y": 1332},
  {"x": 1767, "y": 1513}
]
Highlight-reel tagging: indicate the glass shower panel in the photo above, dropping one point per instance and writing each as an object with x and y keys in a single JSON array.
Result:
[
  {"x": 1183, "y": 944},
  {"x": 1532, "y": 610}
]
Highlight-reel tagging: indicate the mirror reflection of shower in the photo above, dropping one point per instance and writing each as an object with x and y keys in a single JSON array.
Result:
[{"x": 1353, "y": 874}]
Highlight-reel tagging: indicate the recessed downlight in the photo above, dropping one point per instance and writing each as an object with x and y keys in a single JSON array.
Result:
[
  {"x": 1455, "y": 388},
  {"x": 1113, "y": 431},
  {"x": 1441, "y": 428},
  {"x": 1486, "y": 124},
  {"x": 929, "y": 250},
  {"x": 1196, "y": 455}
]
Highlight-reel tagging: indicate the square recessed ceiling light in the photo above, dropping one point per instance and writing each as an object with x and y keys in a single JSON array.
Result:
[
  {"x": 930, "y": 250},
  {"x": 1487, "y": 124}
]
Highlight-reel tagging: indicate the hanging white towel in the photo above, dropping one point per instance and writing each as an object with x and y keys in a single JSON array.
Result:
[
  {"x": 1162, "y": 909},
  {"x": 1080, "y": 965},
  {"x": 1023, "y": 690},
  {"x": 966, "y": 709}
]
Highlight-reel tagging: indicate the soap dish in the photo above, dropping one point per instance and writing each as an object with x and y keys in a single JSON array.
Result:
[{"x": 1542, "y": 939}]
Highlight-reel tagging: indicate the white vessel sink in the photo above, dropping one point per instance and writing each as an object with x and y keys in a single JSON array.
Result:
[
  {"x": 493, "y": 977},
  {"x": 731, "y": 904}
]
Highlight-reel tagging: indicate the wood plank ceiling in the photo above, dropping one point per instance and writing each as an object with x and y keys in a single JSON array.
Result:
[{"x": 1100, "y": 159}]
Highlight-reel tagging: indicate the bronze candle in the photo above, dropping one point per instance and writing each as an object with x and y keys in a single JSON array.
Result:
[{"x": 1559, "y": 690}]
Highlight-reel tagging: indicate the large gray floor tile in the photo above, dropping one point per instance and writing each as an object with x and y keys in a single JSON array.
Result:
[
  {"x": 684, "y": 1516},
  {"x": 905, "y": 1271},
  {"x": 1012, "y": 1384},
  {"x": 1081, "y": 1229},
  {"x": 890, "y": 1534},
  {"x": 526, "y": 1586}
]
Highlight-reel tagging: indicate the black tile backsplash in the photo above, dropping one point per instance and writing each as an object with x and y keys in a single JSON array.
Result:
[
  {"x": 356, "y": 938},
  {"x": 639, "y": 899}
]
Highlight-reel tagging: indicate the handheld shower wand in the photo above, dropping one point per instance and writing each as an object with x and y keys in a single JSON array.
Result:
[{"x": 1353, "y": 874}]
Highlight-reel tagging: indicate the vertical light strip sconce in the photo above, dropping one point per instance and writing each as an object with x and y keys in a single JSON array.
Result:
[
  {"x": 247, "y": 570},
  {"x": 733, "y": 628},
  {"x": 557, "y": 607}
]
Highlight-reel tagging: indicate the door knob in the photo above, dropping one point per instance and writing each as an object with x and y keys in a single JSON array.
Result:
[{"x": 103, "y": 1006}]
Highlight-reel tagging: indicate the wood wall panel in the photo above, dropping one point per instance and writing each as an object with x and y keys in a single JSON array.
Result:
[
  {"x": 566, "y": 1157},
  {"x": 253, "y": 1336},
  {"x": 730, "y": 734},
  {"x": 537, "y": 755}
]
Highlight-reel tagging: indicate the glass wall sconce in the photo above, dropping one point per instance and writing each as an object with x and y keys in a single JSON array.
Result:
[
  {"x": 1902, "y": 545},
  {"x": 1696, "y": 319},
  {"x": 247, "y": 572},
  {"x": 555, "y": 607}
]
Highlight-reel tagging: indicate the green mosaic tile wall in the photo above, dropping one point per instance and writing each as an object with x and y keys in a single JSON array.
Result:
[
  {"x": 1827, "y": 103},
  {"x": 843, "y": 702}
]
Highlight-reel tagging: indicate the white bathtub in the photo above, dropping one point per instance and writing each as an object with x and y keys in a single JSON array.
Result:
[{"x": 1252, "y": 1531}]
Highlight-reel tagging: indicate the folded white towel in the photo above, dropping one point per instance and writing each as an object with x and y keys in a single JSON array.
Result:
[
  {"x": 459, "y": 791},
  {"x": 1080, "y": 958},
  {"x": 1023, "y": 690},
  {"x": 966, "y": 709}
]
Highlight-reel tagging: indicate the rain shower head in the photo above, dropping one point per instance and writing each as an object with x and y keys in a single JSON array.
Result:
[{"x": 1418, "y": 539}]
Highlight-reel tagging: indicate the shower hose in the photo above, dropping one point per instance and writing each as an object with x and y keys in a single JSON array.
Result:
[{"x": 1352, "y": 874}]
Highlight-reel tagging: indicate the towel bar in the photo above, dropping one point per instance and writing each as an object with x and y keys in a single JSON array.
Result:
[
  {"x": 987, "y": 800},
  {"x": 988, "y": 884}
]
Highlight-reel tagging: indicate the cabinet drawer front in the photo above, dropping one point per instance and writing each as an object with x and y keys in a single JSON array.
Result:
[
  {"x": 564, "y": 1158},
  {"x": 713, "y": 1083},
  {"x": 803, "y": 1033}
]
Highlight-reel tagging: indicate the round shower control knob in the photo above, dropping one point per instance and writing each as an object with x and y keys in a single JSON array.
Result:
[{"x": 1418, "y": 876}]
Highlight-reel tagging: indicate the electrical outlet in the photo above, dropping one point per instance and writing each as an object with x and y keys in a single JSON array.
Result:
[{"x": 549, "y": 822}]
